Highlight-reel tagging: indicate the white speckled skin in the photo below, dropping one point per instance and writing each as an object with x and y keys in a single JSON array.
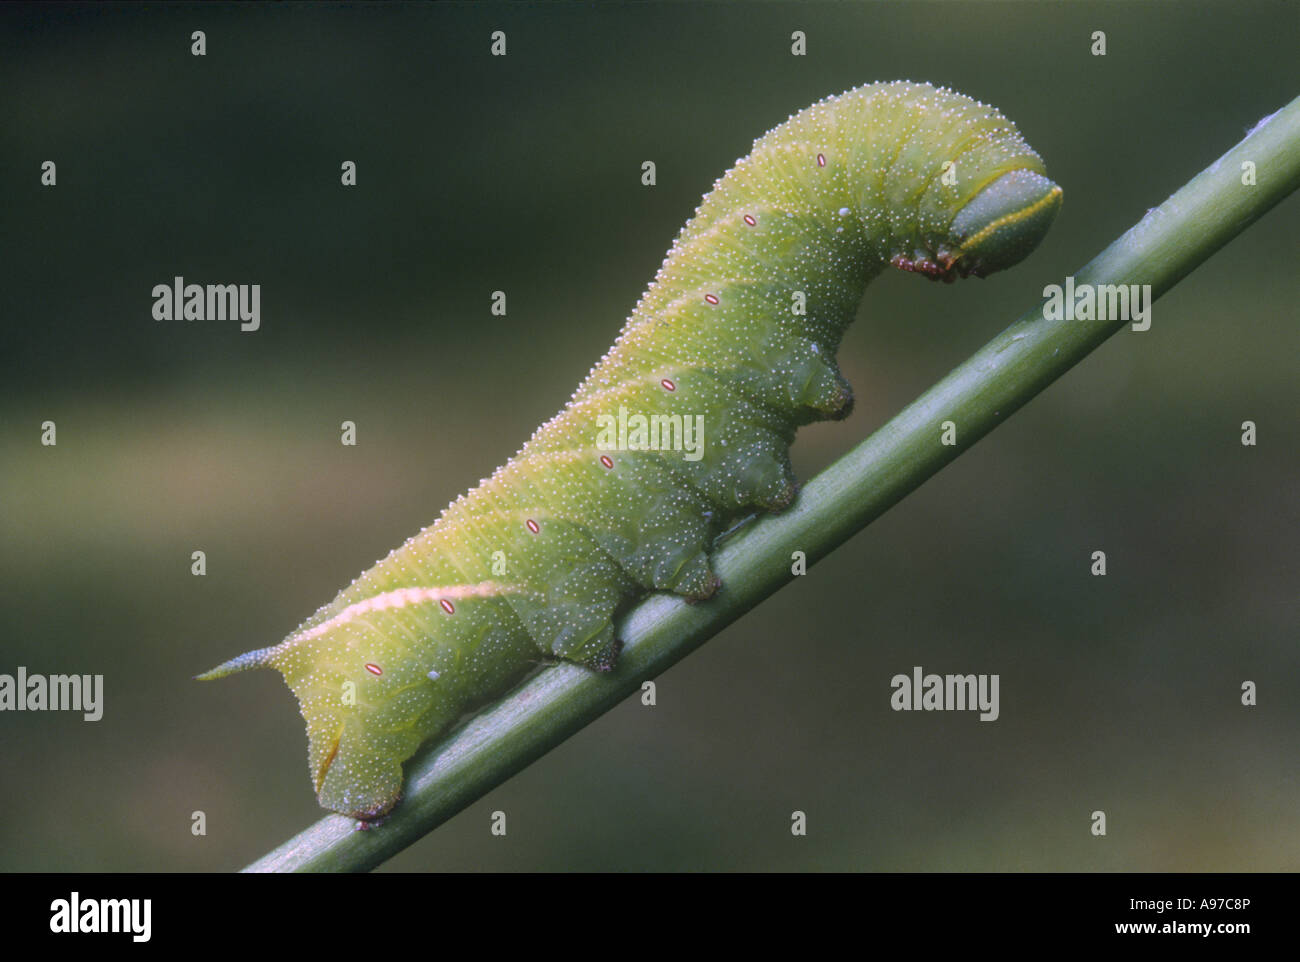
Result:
[{"x": 539, "y": 559}]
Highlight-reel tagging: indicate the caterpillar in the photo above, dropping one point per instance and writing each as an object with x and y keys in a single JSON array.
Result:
[{"x": 682, "y": 428}]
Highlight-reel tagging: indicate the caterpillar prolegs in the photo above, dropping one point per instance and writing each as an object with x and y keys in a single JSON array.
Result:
[{"x": 730, "y": 350}]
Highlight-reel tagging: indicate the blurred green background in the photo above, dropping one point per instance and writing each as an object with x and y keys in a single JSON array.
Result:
[{"x": 523, "y": 174}]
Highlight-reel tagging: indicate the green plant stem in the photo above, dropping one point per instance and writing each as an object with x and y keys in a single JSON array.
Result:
[{"x": 1161, "y": 249}]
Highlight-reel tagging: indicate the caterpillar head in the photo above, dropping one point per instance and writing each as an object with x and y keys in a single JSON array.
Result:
[
  {"x": 1002, "y": 223},
  {"x": 995, "y": 230}
]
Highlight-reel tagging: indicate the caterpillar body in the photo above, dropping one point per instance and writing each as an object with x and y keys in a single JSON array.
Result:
[{"x": 737, "y": 334}]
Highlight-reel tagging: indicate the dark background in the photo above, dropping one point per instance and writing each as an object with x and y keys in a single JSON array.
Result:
[{"x": 523, "y": 174}]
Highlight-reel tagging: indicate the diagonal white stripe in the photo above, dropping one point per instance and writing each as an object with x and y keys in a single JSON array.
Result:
[{"x": 405, "y": 598}]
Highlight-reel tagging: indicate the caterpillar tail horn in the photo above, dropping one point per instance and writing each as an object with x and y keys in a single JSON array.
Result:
[{"x": 260, "y": 658}]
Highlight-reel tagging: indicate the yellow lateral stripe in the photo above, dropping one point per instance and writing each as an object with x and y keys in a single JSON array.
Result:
[{"x": 1012, "y": 218}]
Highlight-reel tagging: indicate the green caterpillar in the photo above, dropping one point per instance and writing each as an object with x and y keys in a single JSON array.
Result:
[{"x": 728, "y": 352}]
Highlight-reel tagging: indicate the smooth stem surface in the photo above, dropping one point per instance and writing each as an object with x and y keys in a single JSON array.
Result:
[{"x": 979, "y": 395}]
